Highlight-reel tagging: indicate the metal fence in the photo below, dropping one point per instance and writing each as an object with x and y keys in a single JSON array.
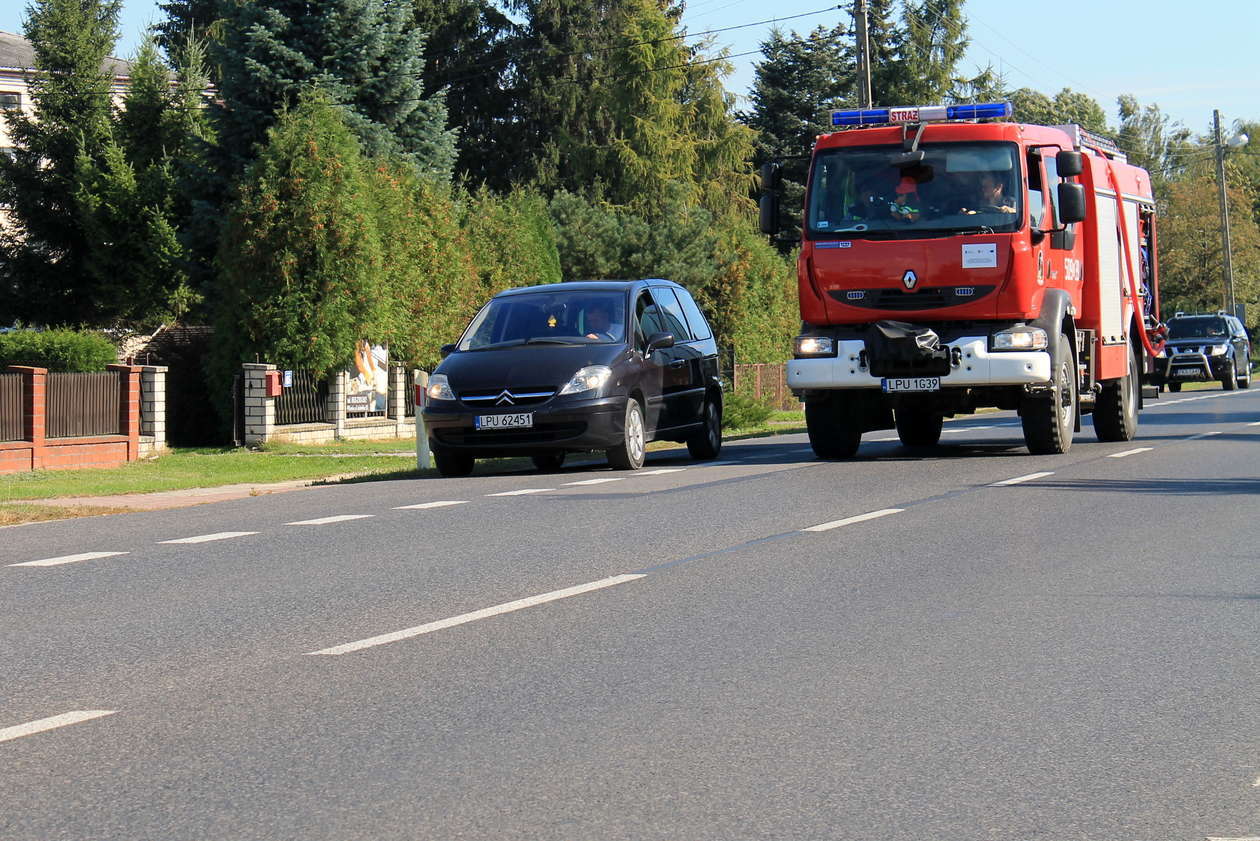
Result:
[
  {"x": 84, "y": 404},
  {"x": 767, "y": 383},
  {"x": 409, "y": 393},
  {"x": 11, "y": 394},
  {"x": 305, "y": 401}
]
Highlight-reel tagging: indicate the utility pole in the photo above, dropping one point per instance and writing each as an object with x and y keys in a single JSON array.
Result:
[
  {"x": 1228, "y": 262},
  {"x": 864, "y": 54}
]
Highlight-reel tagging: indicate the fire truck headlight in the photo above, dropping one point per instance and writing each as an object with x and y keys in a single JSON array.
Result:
[
  {"x": 1021, "y": 337},
  {"x": 815, "y": 346}
]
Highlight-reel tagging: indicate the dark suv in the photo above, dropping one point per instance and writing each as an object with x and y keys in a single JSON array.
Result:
[
  {"x": 1205, "y": 347},
  {"x": 548, "y": 370}
]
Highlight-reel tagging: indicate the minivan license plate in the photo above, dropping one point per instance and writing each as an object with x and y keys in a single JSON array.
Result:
[
  {"x": 520, "y": 420},
  {"x": 890, "y": 384}
]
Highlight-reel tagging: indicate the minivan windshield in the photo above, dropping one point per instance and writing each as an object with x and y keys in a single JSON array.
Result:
[
  {"x": 1197, "y": 328},
  {"x": 562, "y": 317},
  {"x": 859, "y": 192}
]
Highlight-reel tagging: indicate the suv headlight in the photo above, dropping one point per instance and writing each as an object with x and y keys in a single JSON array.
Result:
[
  {"x": 589, "y": 378},
  {"x": 814, "y": 346},
  {"x": 439, "y": 388},
  {"x": 1021, "y": 337},
  {"x": 1219, "y": 350}
]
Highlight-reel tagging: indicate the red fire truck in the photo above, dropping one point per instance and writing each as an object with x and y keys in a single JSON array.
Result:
[{"x": 951, "y": 260}]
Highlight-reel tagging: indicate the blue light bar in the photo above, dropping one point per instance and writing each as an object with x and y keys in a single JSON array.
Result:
[{"x": 920, "y": 114}]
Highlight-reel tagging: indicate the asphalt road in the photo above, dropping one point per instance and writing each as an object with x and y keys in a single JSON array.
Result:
[{"x": 971, "y": 644}]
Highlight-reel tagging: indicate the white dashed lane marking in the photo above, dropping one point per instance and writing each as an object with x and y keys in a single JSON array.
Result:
[
  {"x": 1018, "y": 479},
  {"x": 523, "y": 492},
  {"x": 661, "y": 471},
  {"x": 1131, "y": 452},
  {"x": 336, "y": 518},
  {"x": 464, "y": 618},
  {"x": 441, "y": 503},
  {"x": 860, "y": 518},
  {"x": 1204, "y": 435},
  {"x": 30, "y": 728},
  {"x": 598, "y": 481},
  {"x": 68, "y": 559},
  {"x": 207, "y": 538}
]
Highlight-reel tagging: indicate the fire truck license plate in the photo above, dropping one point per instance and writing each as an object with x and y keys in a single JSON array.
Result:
[
  {"x": 521, "y": 420},
  {"x": 890, "y": 384}
]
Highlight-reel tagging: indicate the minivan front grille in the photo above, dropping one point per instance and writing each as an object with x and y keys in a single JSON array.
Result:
[{"x": 507, "y": 398}]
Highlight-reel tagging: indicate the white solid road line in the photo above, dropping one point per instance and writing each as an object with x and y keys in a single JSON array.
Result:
[
  {"x": 860, "y": 518},
  {"x": 207, "y": 538},
  {"x": 43, "y": 724},
  {"x": 1257, "y": 423},
  {"x": 68, "y": 559},
  {"x": 661, "y": 471},
  {"x": 336, "y": 518},
  {"x": 442, "y": 503},
  {"x": 1019, "y": 479},
  {"x": 1131, "y": 452},
  {"x": 463, "y": 618},
  {"x": 598, "y": 481},
  {"x": 523, "y": 492}
]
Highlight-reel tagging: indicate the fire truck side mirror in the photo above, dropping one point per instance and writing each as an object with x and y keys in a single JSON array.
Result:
[
  {"x": 1068, "y": 163},
  {"x": 771, "y": 176},
  {"x": 1071, "y": 203},
  {"x": 769, "y": 206}
]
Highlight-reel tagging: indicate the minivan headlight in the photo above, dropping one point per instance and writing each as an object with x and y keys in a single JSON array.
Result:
[
  {"x": 587, "y": 379},
  {"x": 1021, "y": 337},
  {"x": 815, "y": 346},
  {"x": 439, "y": 388}
]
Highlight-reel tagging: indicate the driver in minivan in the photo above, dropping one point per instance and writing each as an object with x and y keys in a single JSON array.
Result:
[{"x": 598, "y": 325}]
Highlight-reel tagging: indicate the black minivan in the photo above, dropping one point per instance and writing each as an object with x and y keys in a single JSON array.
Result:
[{"x": 543, "y": 371}]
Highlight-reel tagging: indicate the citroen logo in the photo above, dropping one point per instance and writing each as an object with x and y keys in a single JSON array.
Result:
[
  {"x": 505, "y": 399},
  {"x": 909, "y": 280}
]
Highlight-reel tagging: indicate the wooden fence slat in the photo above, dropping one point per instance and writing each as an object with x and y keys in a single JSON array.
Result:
[{"x": 11, "y": 393}]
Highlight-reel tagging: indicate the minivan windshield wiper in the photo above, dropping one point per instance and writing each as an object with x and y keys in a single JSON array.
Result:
[{"x": 540, "y": 340}]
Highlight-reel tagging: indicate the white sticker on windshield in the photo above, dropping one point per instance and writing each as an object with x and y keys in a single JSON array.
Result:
[{"x": 981, "y": 255}]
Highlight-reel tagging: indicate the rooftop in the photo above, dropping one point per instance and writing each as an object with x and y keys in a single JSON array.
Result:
[{"x": 17, "y": 53}]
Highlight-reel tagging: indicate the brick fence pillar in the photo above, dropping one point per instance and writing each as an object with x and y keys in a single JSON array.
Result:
[
  {"x": 34, "y": 410},
  {"x": 335, "y": 408},
  {"x": 129, "y": 407},
  {"x": 260, "y": 410},
  {"x": 153, "y": 405},
  {"x": 398, "y": 397}
]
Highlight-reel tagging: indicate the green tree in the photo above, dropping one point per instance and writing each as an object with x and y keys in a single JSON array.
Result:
[
  {"x": 302, "y": 258},
  {"x": 184, "y": 23},
  {"x": 934, "y": 41},
  {"x": 1064, "y": 108},
  {"x": 367, "y": 55},
  {"x": 795, "y": 87},
  {"x": 1154, "y": 142},
  {"x": 45, "y": 246}
]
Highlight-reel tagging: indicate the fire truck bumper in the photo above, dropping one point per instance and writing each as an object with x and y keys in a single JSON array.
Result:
[{"x": 972, "y": 365}]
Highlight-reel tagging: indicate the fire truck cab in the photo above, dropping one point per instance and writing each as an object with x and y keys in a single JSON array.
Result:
[{"x": 951, "y": 262}]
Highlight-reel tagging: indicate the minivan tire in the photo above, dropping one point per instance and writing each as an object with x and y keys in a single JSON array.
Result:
[
  {"x": 706, "y": 443},
  {"x": 629, "y": 454}
]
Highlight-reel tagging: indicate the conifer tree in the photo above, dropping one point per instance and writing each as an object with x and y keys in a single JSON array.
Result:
[
  {"x": 185, "y": 22},
  {"x": 367, "y": 55},
  {"x": 46, "y": 249}
]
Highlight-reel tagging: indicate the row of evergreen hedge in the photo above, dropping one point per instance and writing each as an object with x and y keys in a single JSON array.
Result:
[{"x": 60, "y": 351}]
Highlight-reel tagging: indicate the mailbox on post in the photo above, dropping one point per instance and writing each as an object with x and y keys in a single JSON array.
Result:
[{"x": 272, "y": 384}]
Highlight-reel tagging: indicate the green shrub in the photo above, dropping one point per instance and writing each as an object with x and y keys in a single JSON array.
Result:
[
  {"x": 741, "y": 411},
  {"x": 60, "y": 351}
]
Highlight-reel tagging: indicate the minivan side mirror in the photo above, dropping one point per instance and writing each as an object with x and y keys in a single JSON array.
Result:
[
  {"x": 446, "y": 350},
  {"x": 660, "y": 341}
]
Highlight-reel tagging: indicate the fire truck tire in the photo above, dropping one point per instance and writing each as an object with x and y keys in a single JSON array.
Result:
[
  {"x": 1049, "y": 419},
  {"x": 1116, "y": 412},
  {"x": 833, "y": 432},
  {"x": 918, "y": 428},
  {"x": 1229, "y": 381},
  {"x": 1174, "y": 387}
]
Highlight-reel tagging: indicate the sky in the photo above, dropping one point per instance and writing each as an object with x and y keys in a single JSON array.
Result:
[{"x": 1187, "y": 58}]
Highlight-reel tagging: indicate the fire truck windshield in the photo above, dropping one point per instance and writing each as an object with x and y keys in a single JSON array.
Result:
[{"x": 859, "y": 192}]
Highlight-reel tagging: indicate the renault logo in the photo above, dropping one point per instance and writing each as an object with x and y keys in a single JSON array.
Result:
[
  {"x": 505, "y": 399},
  {"x": 909, "y": 280}
]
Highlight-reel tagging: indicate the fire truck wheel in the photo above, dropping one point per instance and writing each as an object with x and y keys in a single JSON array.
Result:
[
  {"x": 1048, "y": 419},
  {"x": 1174, "y": 387},
  {"x": 918, "y": 428},
  {"x": 833, "y": 432},
  {"x": 1116, "y": 412},
  {"x": 1229, "y": 380}
]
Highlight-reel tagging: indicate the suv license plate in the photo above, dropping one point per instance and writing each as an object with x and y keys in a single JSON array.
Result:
[
  {"x": 1187, "y": 372},
  {"x": 520, "y": 420},
  {"x": 890, "y": 384}
]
